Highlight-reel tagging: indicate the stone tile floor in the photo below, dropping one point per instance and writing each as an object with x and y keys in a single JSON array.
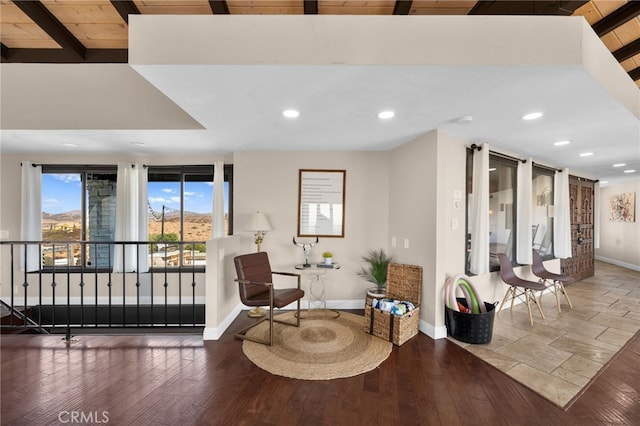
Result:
[{"x": 558, "y": 356}]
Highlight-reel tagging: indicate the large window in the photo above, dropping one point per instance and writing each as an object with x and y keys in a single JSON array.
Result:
[
  {"x": 78, "y": 204},
  {"x": 542, "y": 214},
  {"x": 180, "y": 209},
  {"x": 502, "y": 208},
  {"x": 503, "y": 199}
]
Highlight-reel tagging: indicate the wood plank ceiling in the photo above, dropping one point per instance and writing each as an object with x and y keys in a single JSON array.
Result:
[{"x": 75, "y": 31}]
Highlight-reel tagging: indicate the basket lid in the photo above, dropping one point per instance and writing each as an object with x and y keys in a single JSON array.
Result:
[{"x": 404, "y": 282}]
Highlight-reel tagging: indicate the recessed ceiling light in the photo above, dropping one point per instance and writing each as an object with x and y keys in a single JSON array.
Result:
[
  {"x": 560, "y": 143},
  {"x": 291, "y": 113},
  {"x": 493, "y": 169},
  {"x": 385, "y": 115},
  {"x": 604, "y": 181},
  {"x": 69, "y": 144},
  {"x": 464, "y": 119},
  {"x": 532, "y": 116},
  {"x": 138, "y": 144},
  {"x": 619, "y": 165},
  {"x": 586, "y": 154},
  {"x": 629, "y": 171}
]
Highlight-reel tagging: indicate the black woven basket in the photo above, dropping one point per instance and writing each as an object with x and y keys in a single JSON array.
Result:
[{"x": 470, "y": 328}]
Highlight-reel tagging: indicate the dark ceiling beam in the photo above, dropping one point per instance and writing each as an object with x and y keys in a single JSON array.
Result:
[
  {"x": 529, "y": 7},
  {"x": 627, "y": 51},
  {"x": 310, "y": 7},
  {"x": 219, "y": 7},
  {"x": 635, "y": 73},
  {"x": 402, "y": 7},
  {"x": 5, "y": 51},
  {"x": 125, "y": 8},
  {"x": 617, "y": 18},
  {"x": 63, "y": 56},
  {"x": 54, "y": 28}
]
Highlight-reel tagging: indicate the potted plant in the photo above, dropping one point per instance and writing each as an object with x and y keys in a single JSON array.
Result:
[
  {"x": 376, "y": 271},
  {"x": 328, "y": 257}
]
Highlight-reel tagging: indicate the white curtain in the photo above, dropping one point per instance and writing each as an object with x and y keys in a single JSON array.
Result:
[
  {"x": 131, "y": 218},
  {"x": 217, "y": 219},
  {"x": 524, "y": 221},
  {"x": 31, "y": 213},
  {"x": 479, "y": 262},
  {"x": 596, "y": 215},
  {"x": 562, "y": 215}
]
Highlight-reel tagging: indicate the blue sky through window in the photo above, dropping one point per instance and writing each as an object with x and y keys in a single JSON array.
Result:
[{"x": 62, "y": 193}]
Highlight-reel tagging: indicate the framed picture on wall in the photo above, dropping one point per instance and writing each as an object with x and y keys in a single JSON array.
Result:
[{"x": 321, "y": 203}]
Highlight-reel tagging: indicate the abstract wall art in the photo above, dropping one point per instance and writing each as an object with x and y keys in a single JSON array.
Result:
[{"x": 622, "y": 207}]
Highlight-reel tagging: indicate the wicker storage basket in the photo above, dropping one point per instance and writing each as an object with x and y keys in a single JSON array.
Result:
[{"x": 404, "y": 282}]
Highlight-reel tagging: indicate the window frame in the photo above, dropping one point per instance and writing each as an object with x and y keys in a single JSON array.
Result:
[
  {"x": 83, "y": 170},
  {"x": 182, "y": 171},
  {"x": 536, "y": 170}
]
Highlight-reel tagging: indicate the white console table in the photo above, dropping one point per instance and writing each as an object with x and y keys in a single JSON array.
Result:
[{"x": 316, "y": 298}]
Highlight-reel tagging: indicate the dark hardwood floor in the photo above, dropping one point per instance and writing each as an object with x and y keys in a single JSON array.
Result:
[{"x": 181, "y": 380}]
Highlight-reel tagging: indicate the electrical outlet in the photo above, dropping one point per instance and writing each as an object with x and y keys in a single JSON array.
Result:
[
  {"x": 221, "y": 254},
  {"x": 393, "y": 241},
  {"x": 406, "y": 243}
]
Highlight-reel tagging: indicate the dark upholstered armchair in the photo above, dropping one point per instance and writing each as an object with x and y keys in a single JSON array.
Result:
[{"x": 255, "y": 281}]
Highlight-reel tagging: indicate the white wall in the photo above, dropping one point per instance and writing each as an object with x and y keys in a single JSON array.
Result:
[
  {"x": 268, "y": 182},
  {"x": 619, "y": 241},
  {"x": 425, "y": 176}
]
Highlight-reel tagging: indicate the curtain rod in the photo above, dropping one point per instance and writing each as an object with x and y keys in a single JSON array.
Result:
[
  {"x": 32, "y": 164},
  {"x": 499, "y": 154},
  {"x": 479, "y": 148}
]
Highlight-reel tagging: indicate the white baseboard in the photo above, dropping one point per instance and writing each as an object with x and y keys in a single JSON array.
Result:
[
  {"x": 214, "y": 333},
  {"x": 432, "y": 331},
  {"x": 618, "y": 263}
]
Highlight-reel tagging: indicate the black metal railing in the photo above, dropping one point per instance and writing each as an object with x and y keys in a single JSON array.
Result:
[{"x": 70, "y": 285}]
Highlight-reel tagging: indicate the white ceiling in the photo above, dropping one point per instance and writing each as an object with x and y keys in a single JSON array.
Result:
[{"x": 191, "y": 109}]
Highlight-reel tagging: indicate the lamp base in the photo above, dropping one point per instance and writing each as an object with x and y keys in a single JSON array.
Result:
[{"x": 257, "y": 312}]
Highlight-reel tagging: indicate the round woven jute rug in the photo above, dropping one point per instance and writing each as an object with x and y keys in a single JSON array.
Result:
[{"x": 322, "y": 348}]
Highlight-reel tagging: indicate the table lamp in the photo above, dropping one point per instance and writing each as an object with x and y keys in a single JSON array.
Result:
[{"x": 259, "y": 225}]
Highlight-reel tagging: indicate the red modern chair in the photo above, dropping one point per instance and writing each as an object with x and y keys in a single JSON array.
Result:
[
  {"x": 519, "y": 287},
  {"x": 255, "y": 280},
  {"x": 554, "y": 282}
]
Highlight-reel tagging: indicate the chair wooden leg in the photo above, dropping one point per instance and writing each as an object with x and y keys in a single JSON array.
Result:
[
  {"x": 527, "y": 297},
  {"x": 539, "y": 305},
  {"x": 564, "y": 292},
  {"x": 505, "y": 298}
]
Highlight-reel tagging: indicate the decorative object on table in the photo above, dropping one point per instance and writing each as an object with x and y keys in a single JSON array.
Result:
[
  {"x": 255, "y": 282},
  {"x": 376, "y": 270},
  {"x": 622, "y": 207},
  {"x": 395, "y": 318},
  {"x": 321, "y": 203},
  {"x": 259, "y": 225},
  {"x": 306, "y": 248},
  {"x": 328, "y": 257},
  {"x": 468, "y": 319},
  {"x": 320, "y": 349}
]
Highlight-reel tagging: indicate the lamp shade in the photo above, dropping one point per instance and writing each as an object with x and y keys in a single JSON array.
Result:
[{"x": 258, "y": 222}]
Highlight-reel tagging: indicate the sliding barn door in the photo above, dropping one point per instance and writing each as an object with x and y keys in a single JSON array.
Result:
[{"x": 580, "y": 265}]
